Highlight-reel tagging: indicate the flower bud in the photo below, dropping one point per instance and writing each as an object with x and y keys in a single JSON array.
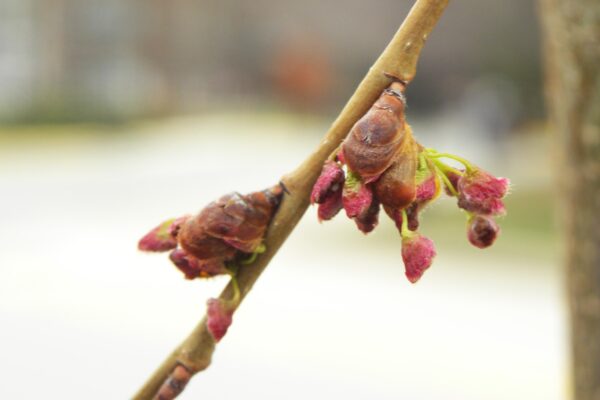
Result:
[
  {"x": 193, "y": 267},
  {"x": 368, "y": 220},
  {"x": 356, "y": 196},
  {"x": 331, "y": 206},
  {"x": 219, "y": 317},
  {"x": 417, "y": 253},
  {"x": 327, "y": 191},
  {"x": 428, "y": 189},
  {"x": 481, "y": 192},
  {"x": 330, "y": 180},
  {"x": 162, "y": 238},
  {"x": 482, "y": 231}
]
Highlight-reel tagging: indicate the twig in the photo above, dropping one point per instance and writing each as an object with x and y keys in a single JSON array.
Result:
[{"x": 397, "y": 62}]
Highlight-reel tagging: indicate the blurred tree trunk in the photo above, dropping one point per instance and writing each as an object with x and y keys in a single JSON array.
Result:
[{"x": 572, "y": 55}]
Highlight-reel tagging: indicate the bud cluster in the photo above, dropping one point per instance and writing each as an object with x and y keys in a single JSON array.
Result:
[
  {"x": 226, "y": 234},
  {"x": 380, "y": 164}
]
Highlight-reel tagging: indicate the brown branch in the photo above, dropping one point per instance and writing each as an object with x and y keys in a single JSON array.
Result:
[{"x": 398, "y": 61}]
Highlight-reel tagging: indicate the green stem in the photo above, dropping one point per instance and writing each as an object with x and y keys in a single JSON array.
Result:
[
  {"x": 445, "y": 168},
  {"x": 404, "y": 231},
  {"x": 447, "y": 182},
  {"x": 434, "y": 154},
  {"x": 259, "y": 250},
  {"x": 236, "y": 290}
]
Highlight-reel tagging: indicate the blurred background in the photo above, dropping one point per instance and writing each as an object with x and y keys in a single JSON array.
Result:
[{"x": 116, "y": 115}]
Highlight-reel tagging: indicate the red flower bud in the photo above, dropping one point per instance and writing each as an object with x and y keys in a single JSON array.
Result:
[
  {"x": 356, "y": 196},
  {"x": 331, "y": 206},
  {"x": 219, "y": 317},
  {"x": 428, "y": 189},
  {"x": 417, "y": 253},
  {"x": 195, "y": 268},
  {"x": 163, "y": 237},
  {"x": 368, "y": 220},
  {"x": 481, "y": 192},
  {"x": 482, "y": 231},
  {"x": 331, "y": 180},
  {"x": 327, "y": 191}
]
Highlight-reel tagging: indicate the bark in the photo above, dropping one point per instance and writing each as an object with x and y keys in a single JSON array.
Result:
[{"x": 572, "y": 56}]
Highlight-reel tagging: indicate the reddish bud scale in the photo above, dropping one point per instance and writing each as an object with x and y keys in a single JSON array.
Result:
[
  {"x": 374, "y": 140},
  {"x": 396, "y": 188},
  {"x": 175, "y": 383},
  {"x": 234, "y": 222}
]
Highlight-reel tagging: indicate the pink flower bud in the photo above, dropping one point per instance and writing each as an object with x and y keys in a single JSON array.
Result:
[
  {"x": 482, "y": 231},
  {"x": 331, "y": 206},
  {"x": 219, "y": 318},
  {"x": 327, "y": 191},
  {"x": 428, "y": 189},
  {"x": 160, "y": 238},
  {"x": 356, "y": 196},
  {"x": 193, "y": 267},
  {"x": 330, "y": 181},
  {"x": 368, "y": 220},
  {"x": 481, "y": 192},
  {"x": 417, "y": 253},
  {"x": 179, "y": 258}
]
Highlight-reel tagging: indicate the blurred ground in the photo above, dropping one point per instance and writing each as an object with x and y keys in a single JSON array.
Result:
[{"x": 84, "y": 315}]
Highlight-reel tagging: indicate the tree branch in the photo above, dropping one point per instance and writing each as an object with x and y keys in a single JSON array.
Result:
[{"x": 399, "y": 61}]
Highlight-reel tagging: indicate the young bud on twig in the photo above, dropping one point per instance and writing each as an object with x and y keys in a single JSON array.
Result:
[
  {"x": 417, "y": 253},
  {"x": 482, "y": 231}
]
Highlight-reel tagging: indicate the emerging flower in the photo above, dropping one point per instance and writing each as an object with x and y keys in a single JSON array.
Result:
[
  {"x": 219, "y": 317},
  {"x": 481, "y": 192},
  {"x": 417, "y": 253},
  {"x": 482, "y": 231}
]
